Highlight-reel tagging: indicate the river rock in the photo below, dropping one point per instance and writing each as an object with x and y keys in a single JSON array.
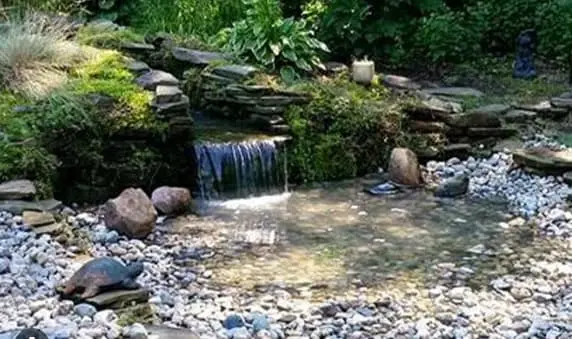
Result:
[
  {"x": 17, "y": 189},
  {"x": 171, "y": 200},
  {"x": 151, "y": 80},
  {"x": 404, "y": 167},
  {"x": 131, "y": 213},
  {"x": 453, "y": 187}
]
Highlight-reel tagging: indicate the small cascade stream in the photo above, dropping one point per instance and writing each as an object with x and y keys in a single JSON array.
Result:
[{"x": 243, "y": 169}]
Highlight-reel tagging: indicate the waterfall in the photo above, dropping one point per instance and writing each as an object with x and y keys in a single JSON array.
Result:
[{"x": 240, "y": 169}]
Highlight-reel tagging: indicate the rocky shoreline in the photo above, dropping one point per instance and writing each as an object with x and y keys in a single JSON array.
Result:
[{"x": 534, "y": 301}]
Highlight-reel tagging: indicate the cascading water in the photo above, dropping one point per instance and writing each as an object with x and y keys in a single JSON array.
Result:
[{"x": 241, "y": 169}]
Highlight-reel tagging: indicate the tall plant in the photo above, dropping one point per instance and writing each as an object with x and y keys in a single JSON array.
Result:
[{"x": 265, "y": 38}]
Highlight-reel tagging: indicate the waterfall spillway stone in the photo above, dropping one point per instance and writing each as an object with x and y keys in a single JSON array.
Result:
[{"x": 241, "y": 169}]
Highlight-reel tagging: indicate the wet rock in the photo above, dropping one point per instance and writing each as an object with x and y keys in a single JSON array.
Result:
[
  {"x": 403, "y": 167},
  {"x": 17, "y": 189},
  {"x": 131, "y": 213},
  {"x": 453, "y": 187},
  {"x": 233, "y": 321},
  {"x": 151, "y": 80},
  {"x": 171, "y": 200},
  {"x": 85, "y": 310}
]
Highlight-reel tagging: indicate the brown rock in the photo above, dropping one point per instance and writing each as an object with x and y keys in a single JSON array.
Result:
[
  {"x": 428, "y": 126},
  {"x": 131, "y": 213},
  {"x": 404, "y": 167},
  {"x": 34, "y": 219},
  {"x": 171, "y": 200}
]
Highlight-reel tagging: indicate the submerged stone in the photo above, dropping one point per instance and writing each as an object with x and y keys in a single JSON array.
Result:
[
  {"x": 453, "y": 187},
  {"x": 383, "y": 189}
]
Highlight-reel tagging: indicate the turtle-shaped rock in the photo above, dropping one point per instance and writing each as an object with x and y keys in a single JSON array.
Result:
[{"x": 103, "y": 274}]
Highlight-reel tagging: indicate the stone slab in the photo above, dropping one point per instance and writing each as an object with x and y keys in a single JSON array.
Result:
[
  {"x": 196, "y": 57},
  {"x": 119, "y": 298},
  {"x": 455, "y": 92},
  {"x": 35, "y": 218},
  {"x": 519, "y": 116},
  {"x": 495, "y": 132},
  {"x": 49, "y": 229},
  {"x": 167, "y": 94},
  {"x": 428, "y": 126},
  {"x": 164, "y": 332},
  {"x": 236, "y": 72},
  {"x": 17, "y": 189},
  {"x": 400, "y": 82},
  {"x": 498, "y": 109},
  {"x": 466, "y": 120},
  {"x": 544, "y": 159},
  {"x": 164, "y": 108},
  {"x": 561, "y": 103},
  {"x": 138, "y": 67},
  {"x": 19, "y": 206},
  {"x": 137, "y": 47},
  {"x": 151, "y": 80}
]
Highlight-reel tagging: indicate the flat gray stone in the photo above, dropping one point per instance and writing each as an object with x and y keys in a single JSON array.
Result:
[
  {"x": 494, "y": 132},
  {"x": 151, "y": 80},
  {"x": 567, "y": 178},
  {"x": 267, "y": 110},
  {"x": 137, "y": 47},
  {"x": 119, "y": 298},
  {"x": 164, "y": 332},
  {"x": 519, "y": 116},
  {"x": 455, "y": 92},
  {"x": 561, "y": 102},
  {"x": 545, "y": 160},
  {"x": 18, "y": 206},
  {"x": 195, "y": 57},
  {"x": 433, "y": 109},
  {"x": 466, "y": 120},
  {"x": 138, "y": 67},
  {"x": 492, "y": 109},
  {"x": 171, "y": 107},
  {"x": 236, "y": 72},
  {"x": 17, "y": 189},
  {"x": 428, "y": 126},
  {"x": 335, "y": 67},
  {"x": 166, "y": 94},
  {"x": 545, "y": 110},
  {"x": 399, "y": 82}
]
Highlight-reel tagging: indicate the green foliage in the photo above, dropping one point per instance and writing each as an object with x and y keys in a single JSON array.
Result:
[
  {"x": 345, "y": 131},
  {"x": 445, "y": 37},
  {"x": 265, "y": 38},
  {"x": 185, "y": 17},
  {"x": 106, "y": 37},
  {"x": 554, "y": 20}
]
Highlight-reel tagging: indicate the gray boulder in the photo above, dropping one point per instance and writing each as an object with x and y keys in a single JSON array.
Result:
[{"x": 453, "y": 187}]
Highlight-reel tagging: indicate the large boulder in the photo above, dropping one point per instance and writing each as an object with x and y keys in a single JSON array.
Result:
[
  {"x": 17, "y": 189},
  {"x": 131, "y": 213},
  {"x": 171, "y": 200},
  {"x": 404, "y": 167}
]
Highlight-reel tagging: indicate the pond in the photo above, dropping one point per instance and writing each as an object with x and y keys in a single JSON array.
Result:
[{"x": 336, "y": 235}]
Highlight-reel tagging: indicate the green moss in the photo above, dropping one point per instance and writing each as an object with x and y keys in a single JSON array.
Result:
[
  {"x": 346, "y": 130},
  {"x": 103, "y": 37}
]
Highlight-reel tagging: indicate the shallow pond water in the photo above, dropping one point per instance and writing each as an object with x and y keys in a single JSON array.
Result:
[{"x": 335, "y": 235}]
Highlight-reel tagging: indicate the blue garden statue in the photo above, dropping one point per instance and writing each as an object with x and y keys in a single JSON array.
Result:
[{"x": 525, "y": 47}]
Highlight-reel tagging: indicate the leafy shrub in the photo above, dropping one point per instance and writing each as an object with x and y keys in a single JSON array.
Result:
[
  {"x": 185, "y": 17},
  {"x": 554, "y": 22},
  {"x": 446, "y": 37},
  {"x": 106, "y": 37},
  {"x": 33, "y": 56},
  {"x": 267, "y": 39},
  {"x": 344, "y": 131}
]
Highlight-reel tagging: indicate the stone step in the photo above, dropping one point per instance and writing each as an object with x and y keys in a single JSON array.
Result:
[
  {"x": 495, "y": 132},
  {"x": 466, "y": 120},
  {"x": 138, "y": 67},
  {"x": 519, "y": 116},
  {"x": 167, "y": 94},
  {"x": 428, "y": 126},
  {"x": 236, "y": 72},
  {"x": 544, "y": 110},
  {"x": 196, "y": 57},
  {"x": 433, "y": 109},
  {"x": 151, "y": 80},
  {"x": 171, "y": 108}
]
